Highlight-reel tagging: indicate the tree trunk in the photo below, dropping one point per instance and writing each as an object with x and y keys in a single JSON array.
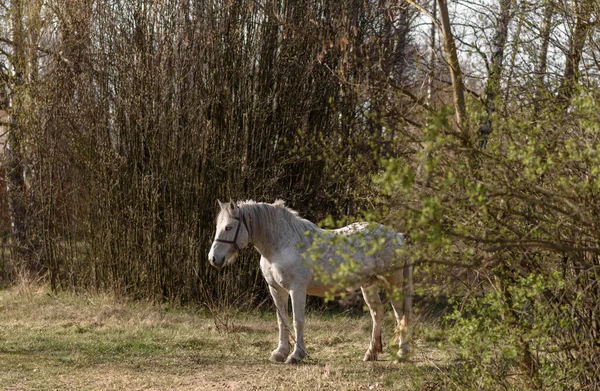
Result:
[
  {"x": 455, "y": 72},
  {"x": 540, "y": 69},
  {"x": 431, "y": 73},
  {"x": 583, "y": 13},
  {"x": 522, "y": 10},
  {"x": 492, "y": 88}
]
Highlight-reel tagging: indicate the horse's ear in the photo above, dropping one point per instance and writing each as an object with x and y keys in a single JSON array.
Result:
[
  {"x": 222, "y": 205},
  {"x": 231, "y": 204}
]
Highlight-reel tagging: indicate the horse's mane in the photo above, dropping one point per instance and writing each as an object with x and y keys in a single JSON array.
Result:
[{"x": 263, "y": 214}]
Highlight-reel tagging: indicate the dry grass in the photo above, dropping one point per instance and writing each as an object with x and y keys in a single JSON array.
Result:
[{"x": 97, "y": 342}]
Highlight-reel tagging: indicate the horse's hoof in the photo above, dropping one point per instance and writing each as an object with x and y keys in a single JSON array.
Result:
[
  {"x": 278, "y": 356},
  {"x": 403, "y": 355},
  {"x": 292, "y": 360},
  {"x": 369, "y": 356}
]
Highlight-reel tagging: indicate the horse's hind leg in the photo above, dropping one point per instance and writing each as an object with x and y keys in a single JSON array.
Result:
[
  {"x": 371, "y": 295},
  {"x": 400, "y": 293}
]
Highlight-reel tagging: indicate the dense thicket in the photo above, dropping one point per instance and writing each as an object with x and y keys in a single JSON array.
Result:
[
  {"x": 471, "y": 125},
  {"x": 140, "y": 115}
]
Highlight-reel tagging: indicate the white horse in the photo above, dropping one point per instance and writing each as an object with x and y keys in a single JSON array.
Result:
[{"x": 299, "y": 258}]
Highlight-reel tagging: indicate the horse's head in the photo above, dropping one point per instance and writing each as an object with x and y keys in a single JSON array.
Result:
[{"x": 232, "y": 235}]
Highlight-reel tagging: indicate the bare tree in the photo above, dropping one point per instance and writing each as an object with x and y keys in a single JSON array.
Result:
[
  {"x": 454, "y": 66},
  {"x": 492, "y": 87},
  {"x": 583, "y": 12},
  {"x": 545, "y": 38}
]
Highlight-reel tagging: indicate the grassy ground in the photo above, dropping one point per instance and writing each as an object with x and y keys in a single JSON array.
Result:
[{"x": 69, "y": 342}]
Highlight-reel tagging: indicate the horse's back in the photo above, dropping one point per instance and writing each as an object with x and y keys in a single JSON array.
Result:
[
  {"x": 359, "y": 251},
  {"x": 368, "y": 232}
]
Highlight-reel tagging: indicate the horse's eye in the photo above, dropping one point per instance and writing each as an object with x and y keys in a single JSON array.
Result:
[{"x": 228, "y": 228}]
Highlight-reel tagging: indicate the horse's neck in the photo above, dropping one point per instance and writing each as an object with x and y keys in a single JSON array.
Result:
[{"x": 275, "y": 234}]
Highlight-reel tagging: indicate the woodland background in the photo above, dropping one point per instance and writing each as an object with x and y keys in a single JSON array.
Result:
[{"x": 472, "y": 125}]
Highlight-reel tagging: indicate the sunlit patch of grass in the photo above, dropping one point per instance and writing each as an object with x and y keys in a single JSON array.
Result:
[{"x": 91, "y": 342}]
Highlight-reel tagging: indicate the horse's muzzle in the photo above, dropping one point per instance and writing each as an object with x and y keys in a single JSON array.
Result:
[{"x": 217, "y": 262}]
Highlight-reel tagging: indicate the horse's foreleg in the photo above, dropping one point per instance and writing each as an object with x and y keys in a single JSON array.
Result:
[
  {"x": 280, "y": 297},
  {"x": 298, "y": 306},
  {"x": 371, "y": 295}
]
